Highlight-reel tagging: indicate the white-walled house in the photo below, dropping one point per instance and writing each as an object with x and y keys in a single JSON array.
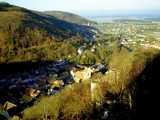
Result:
[{"x": 82, "y": 75}]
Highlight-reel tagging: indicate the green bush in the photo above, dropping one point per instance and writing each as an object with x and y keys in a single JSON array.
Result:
[{"x": 72, "y": 103}]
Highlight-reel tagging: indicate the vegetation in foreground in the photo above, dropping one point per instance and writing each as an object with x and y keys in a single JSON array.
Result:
[{"x": 120, "y": 88}]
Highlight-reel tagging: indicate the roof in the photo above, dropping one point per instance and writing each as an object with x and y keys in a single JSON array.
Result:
[{"x": 8, "y": 105}]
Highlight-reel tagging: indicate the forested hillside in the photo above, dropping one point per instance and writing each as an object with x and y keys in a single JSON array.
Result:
[
  {"x": 70, "y": 17},
  {"x": 27, "y": 35}
]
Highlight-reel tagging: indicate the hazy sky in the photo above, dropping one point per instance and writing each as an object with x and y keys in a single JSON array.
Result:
[{"x": 83, "y": 5}]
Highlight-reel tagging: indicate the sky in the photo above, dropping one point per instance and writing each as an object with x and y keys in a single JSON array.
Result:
[{"x": 87, "y": 5}]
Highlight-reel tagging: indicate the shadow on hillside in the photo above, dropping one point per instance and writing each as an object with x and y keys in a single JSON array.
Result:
[
  {"x": 12, "y": 72},
  {"x": 13, "y": 68},
  {"x": 145, "y": 96},
  {"x": 50, "y": 24},
  {"x": 56, "y": 27},
  {"x": 147, "y": 93}
]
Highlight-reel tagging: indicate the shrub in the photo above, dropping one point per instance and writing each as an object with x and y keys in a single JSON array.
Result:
[{"x": 71, "y": 103}]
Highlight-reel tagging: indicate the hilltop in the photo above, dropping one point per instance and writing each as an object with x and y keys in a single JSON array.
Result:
[
  {"x": 14, "y": 16},
  {"x": 69, "y": 17}
]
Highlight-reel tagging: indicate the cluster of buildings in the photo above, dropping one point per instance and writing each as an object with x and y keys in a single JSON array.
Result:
[{"x": 24, "y": 87}]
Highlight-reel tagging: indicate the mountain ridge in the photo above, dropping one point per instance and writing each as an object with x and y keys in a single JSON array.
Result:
[
  {"x": 69, "y": 17},
  {"x": 24, "y": 30}
]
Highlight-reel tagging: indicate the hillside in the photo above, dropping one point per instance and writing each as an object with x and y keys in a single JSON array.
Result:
[
  {"x": 69, "y": 17},
  {"x": 28, "y": 35},
  {"x": 126, "y": 93},
  {"x": 25, "y": 18}
]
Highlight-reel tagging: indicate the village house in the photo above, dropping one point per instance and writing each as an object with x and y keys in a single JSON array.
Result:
[
  {"x": 31, "y": 92},
  {"x": 82, "y": 75},
  {"x": 8, "y": 105}
]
